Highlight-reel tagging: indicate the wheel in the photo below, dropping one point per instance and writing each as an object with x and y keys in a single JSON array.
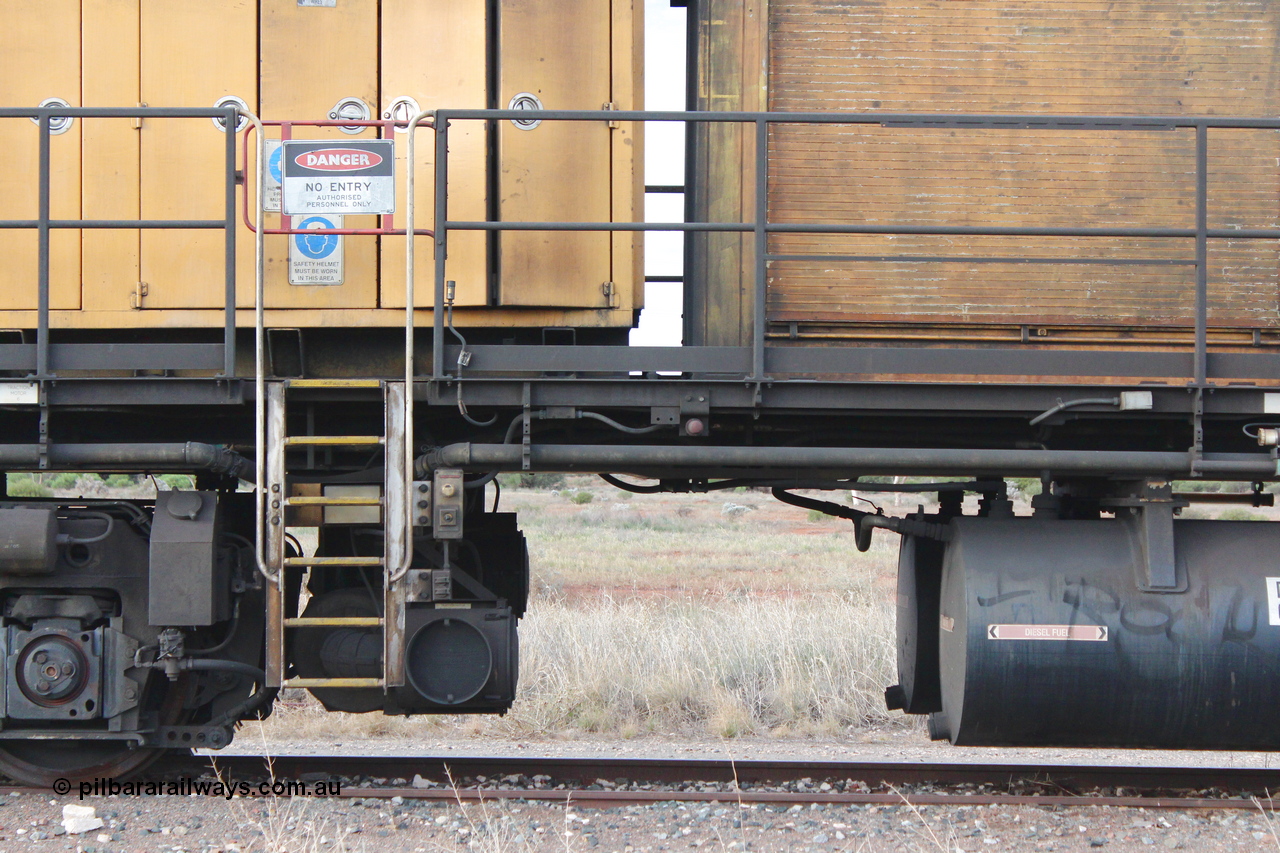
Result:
[{"x": 41, "y": 762}]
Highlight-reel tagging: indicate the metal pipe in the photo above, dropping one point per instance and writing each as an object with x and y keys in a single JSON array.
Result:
[
  {"x": 229, "y": 256},
  {"x": 42, "y": 267},
  {"x": 442, "y": 246},
  {"x": 870, "y": 228},
  {"x": 1202, "y": 255},
  {"x": 760, "y": 288},
  {"x": 927, "y": 120},
  {"x": 259, "y": 360},
  {"x": 187, "y": 455},
  {"x": 860, "y": 460}
]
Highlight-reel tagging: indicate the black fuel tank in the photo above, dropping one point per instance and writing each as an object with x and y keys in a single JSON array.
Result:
[{"x": 1046, "y": 639}]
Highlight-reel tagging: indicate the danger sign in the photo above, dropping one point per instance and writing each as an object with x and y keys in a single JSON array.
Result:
[
  {"x": 335, "y": 178},
  {"x": 1088, "y": 633}
]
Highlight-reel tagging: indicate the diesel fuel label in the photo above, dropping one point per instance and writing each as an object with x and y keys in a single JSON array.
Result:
[
  {"x": 1086, "y": 633},
  {"x": 335, "y": 177}
]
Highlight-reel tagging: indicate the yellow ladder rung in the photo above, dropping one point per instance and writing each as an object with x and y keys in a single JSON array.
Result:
[
  {"x": 333, "y": 682},
  {"x": 333, "y": 440},
  {"x": 333, "y": 561},
  {"x": 334, "y": 501},
  {"x": 334, "y": 622},
  {"x": 335, "y": 383}
]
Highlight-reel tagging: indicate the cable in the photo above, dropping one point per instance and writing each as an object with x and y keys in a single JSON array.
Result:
[
  {"x": 102, "y": 516},
  {"x": 622, "y": 427},
  {"x": 1088, "y": 401},
  {"x": 1254, "y": 435},
  {"x": 462, "y": 407},
  {"x": 231, "y": 634},
  {"x": 497, "y": 495}
]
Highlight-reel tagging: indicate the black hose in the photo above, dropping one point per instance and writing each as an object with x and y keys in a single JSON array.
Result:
[
  {"x": 202, "y": 665},
  {"x": 632, "y": 487},
  {"x": 479, "y": 482},
  {"x": 256, "y": 700},
  {"x": 827, "y": 507},
  {"x": 620, "y": 427}
]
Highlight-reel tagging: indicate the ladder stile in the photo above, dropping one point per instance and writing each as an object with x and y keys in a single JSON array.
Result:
[
  {"x": 398, "y": 539},
  {"x": 274, "y": 491}
]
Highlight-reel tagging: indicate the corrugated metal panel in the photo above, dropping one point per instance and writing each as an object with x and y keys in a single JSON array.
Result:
[{"x": 1082, "y": 57}]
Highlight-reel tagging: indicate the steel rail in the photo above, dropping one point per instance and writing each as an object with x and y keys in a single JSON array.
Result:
[{"x": 457, "y": 779}]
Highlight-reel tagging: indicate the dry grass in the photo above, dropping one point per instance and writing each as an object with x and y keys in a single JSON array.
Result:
[{"x": 673, "y": 616}]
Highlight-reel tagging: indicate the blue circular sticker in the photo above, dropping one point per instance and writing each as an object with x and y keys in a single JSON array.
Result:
[
  {"x": 273, "y": 164},
  {"x": 316, "y": 246}
]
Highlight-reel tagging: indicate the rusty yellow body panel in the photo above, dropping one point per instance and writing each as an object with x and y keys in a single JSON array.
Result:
[
  {"x": 538, "y": 163},
  {"x": 110, "y": 56},
  {"x": 336, "y": 51},
  {"x": 1081, "y": 57},
  {"x": 27, "y": 44},
  {"x": 290, "y": 62},
  {"x": 434, "y": 52},
  {"x": 181, "y": 160}
]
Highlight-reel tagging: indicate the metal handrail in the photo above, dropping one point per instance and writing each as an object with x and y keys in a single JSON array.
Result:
[
  {"x": 45, "y": 223},
  {"x": 286, "y": 127},
  {"x": 410, "y": 270},
  {"x": 259, "y": 368},
  {"x": 761, "y": 228}
]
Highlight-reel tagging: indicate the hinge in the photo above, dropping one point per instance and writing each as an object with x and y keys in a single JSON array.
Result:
[
  {"x": 137, "y": 120},
  {"x": 610, "y": 292},
  {"x": 610, "y": 106},
  {"x": 138, "y": 294}
]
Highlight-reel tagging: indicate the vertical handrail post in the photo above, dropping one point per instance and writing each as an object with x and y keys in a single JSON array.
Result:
[
  {"x": 397, "y": 569},
  {"x": 229, "y": 309},
  {"x": 259, "y": 360},
  {"x": 1202, "y": 254},
  {"x": 442, "y": 213},
  {"x": 761, "y": 250},
  {"x": 42, "y": 269}
]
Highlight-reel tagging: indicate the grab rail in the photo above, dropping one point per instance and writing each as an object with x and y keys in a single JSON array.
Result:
[
  {"x": 44, "y": 223},
  {"x": 760, "y": 227}
]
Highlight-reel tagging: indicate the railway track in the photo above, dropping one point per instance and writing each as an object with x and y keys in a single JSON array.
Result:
[{"x": 609, "y": 782}]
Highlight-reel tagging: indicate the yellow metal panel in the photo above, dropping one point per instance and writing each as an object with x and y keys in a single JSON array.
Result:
[
  {"x": 559, "y": 52},
  {"x": 110, "y": 191},
  {"x": 313, "y": 57},
  {"x": 39, "y": 59},
  {"x": 628, "y": 152},
  {"x": 434, "y": 52},
  {"x": 192, "y": 54}
]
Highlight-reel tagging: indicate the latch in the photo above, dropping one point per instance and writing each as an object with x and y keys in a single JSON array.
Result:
[
  {"x": 351, "y": 109},
  {"x": 137, "y": 120},
  {"x": 610, "y": 292},
  {"x": 138, "y": 294},
  {"x": 613, "y": 125},
  {"x": 57, "y": 124},
  {"x": 525, "y": 101}
]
